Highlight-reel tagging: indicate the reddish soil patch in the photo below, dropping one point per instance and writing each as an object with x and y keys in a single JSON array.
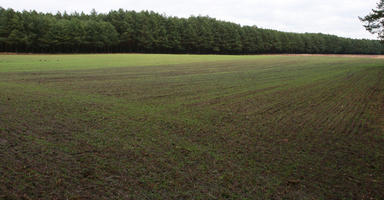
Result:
[
  {"x": 331, "y": 55},
  {"x": 338, "y": 55}
]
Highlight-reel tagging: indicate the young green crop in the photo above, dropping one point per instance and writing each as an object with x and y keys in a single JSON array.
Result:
[{"x": 191, "y": 127}]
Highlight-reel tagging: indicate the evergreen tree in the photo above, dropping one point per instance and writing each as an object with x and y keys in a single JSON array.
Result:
[
  {"x": 150, "y": 32},
  {"x": 374, "y": 22}
]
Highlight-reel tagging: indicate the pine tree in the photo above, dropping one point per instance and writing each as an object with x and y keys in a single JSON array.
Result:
[{"x": 374, "y": 22}]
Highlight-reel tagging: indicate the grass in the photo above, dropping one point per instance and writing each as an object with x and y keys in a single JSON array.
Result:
[
  {"x": 22, "y": 63},
  {"x": 191, "y": 127}
]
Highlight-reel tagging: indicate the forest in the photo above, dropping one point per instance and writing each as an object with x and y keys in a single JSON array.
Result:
[{"x": 123, "y": 31}]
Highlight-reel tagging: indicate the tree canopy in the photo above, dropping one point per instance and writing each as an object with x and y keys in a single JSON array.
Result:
[
  {"x": 150, "y": 32},
  {"x": 374, "y": 22}
]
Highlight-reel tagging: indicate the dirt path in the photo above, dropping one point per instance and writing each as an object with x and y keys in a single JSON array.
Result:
[
  {"x": 331, "y": 55},
  {"x": 336, "y": 55}
]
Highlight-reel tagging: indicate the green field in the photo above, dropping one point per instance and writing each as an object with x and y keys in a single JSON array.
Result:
[{"x": 191, "y": 127}]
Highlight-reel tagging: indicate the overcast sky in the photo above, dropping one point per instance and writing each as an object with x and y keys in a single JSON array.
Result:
[{"x": 339, "y": 17}]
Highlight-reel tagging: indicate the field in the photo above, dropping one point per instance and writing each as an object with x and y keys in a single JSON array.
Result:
[{"x": 191, "y": 127}]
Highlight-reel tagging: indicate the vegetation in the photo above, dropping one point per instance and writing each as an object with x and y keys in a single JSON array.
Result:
[
  {"x": 374, "y": 21},
  {"x": 191, "y": 127},
  {"x": 149, "y": 32}
]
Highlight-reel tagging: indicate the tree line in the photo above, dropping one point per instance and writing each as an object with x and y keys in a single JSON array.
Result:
[{"x": 150, "y": 32}]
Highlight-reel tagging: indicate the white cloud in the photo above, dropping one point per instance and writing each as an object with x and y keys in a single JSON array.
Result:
[{"x": 326, "y": 16}]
